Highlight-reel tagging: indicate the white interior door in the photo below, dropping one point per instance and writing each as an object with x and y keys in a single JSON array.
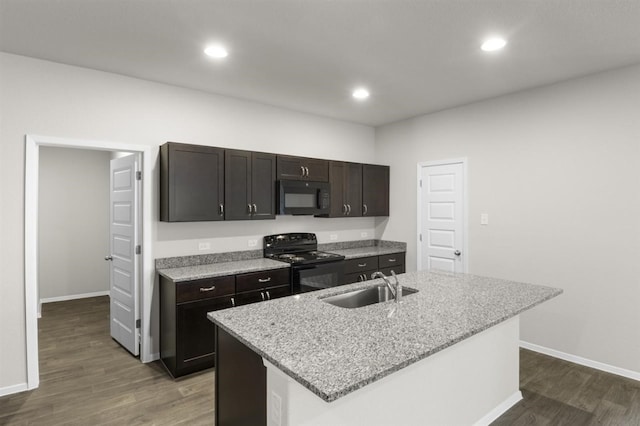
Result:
[
  {"x": 442, "y": 217},
  {"x": 124, "y": 256}
]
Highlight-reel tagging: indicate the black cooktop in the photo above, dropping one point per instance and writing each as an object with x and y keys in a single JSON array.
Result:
[{"x": 297, "y": 249}]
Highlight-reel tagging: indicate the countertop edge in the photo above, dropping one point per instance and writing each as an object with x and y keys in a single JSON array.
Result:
[{"x": 358, "y": 385}]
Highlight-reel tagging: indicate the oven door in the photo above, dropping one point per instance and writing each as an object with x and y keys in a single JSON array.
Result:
[{"x": 317, "y": 276}]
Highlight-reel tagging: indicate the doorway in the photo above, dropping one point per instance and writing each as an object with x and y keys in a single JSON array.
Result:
[
  {"x": 33, "y": 144},
  {"x": 442, "y": 216}
]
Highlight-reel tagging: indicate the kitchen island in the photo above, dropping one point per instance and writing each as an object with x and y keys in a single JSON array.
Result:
[{"x": 447, "y": 354}]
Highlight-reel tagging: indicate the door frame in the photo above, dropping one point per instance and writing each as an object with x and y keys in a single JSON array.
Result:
[
  {"x": 465, "y": 208},
  {"x": 32, "y": 164}
]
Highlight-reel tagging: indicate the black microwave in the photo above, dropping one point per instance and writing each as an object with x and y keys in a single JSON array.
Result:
[{"x": 298, "y": 197}]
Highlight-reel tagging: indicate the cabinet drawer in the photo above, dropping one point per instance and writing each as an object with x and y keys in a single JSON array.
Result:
[
  {"x": 361, "y": 264},
  {"x": 391, "y": 260},
  {"x": 205, "y": 289},
  {"x": 276, "y": 292},
  {"x": 260, "y": 280}
]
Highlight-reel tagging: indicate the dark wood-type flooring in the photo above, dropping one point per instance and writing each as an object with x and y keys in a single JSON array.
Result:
[{"x": 88, "y": 379}]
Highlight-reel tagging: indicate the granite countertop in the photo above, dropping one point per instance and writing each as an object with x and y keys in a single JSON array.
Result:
[
  {"x": 187, "y": 273},
  {"x": 354, "y": 253},
  {"x": 333, "y": 351}
]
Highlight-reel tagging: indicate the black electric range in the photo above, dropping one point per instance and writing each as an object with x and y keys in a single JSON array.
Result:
[{"x": 310, "y": 269}]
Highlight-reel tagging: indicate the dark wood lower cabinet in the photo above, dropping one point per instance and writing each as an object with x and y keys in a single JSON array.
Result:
[
  {"x": 240, "y": 385},
  {"x": 360, "y": 269},
  {"x": 186, "y": 334}
]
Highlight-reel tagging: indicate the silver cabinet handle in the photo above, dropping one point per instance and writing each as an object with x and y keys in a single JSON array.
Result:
[
  {"x": 344, "y": 209},
  {"x": 205, "y": 289},
  {"x": 221, "y": 209},
  {"x": 264, "y": 280},
  {"x": 349, "y": 207},
  {"x": 262, "y": 294},
  {"x": 255, "y": 208},
  {"x": 457, "y": 253},
  {"x": 365, "y": 209},
  {"x": 249, "y": 208},
  {"x": 268, "y": 295},
  {"x": 362, "y": 277},
  {"x": 302, "y": 170},
  {"x": 306, "y": 169},
  {"x": 361, "y": 265},
  {"x": 233, "y": 302},
  {"x": 391, "y": 260},
  {"x": 108, "y": 258}
]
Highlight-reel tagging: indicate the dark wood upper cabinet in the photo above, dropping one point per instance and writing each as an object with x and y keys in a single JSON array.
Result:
[
  {"x": 301, "y": 168},
  {"x": 250, "y": 182},
  {"x": 375, "y": 190},
  {"x": 346, "y": 189},
  {"x": 191, "y": 183}
]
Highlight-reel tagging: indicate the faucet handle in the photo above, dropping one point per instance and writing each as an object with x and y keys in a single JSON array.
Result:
[{"x": 398, "y": 287}]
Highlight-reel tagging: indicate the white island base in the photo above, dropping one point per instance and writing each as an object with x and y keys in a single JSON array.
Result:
[{"x": 472, "y": 382}]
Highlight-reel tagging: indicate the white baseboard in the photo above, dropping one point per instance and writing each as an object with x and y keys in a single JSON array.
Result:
[
  {"x": 499, "y": 410},
  {"x": 13, "y": 389},
  {"x": 582, "y": 361},
  {"x": 74, "y": 296}
]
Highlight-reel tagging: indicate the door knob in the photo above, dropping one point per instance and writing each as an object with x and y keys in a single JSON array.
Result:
[
  {"x": 108, "y": 258},
  {"x": 457, "y": 252}
]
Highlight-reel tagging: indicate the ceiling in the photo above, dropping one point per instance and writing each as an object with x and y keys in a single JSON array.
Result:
[{"x": 414, "y": 56}]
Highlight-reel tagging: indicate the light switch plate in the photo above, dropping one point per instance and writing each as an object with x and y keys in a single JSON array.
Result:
[
  {"x": 484, "y": 219},
  {"x": 204, "y": 246}
]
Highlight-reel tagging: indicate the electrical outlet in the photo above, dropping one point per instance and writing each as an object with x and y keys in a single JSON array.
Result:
[
  {"x": 276, "y": 409},
  {"x": 253, "y": 243},
  {"x": 204, "y": 246},
  {"x": 333, "y": 237},
  {"x": 484, "y": 219},
  {"x": 364, "y": 234}
]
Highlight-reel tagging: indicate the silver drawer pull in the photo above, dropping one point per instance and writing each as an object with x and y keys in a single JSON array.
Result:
[
  {"x": 204, "y": 290},
  {"x": 264, "y": 280},
  {"x": 361, "y": 265},
  {"x": 233, "y": 302},
  {"x": 391, "y": 260}
]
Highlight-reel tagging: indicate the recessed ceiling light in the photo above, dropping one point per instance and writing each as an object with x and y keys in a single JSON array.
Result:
[
  {"x": 360, "y": 93},
  {"x": 493, "y": 44},
  {"x": 216, "y": 51}
]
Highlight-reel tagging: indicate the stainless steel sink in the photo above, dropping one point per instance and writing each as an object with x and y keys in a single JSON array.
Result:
[{"x": 366, "y": 296}]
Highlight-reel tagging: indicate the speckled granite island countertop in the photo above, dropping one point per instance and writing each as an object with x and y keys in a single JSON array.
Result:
[
  {"x": 359, "y": 252},
  {"x": 333, "y": 351},
  {"x": 196, "y": 272}
]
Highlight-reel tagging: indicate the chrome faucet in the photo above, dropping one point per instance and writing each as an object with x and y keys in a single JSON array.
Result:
[{"x": 395, "y": 292}]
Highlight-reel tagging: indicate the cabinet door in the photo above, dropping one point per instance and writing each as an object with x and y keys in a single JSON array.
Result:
[
  {"x": 336, "y": 179},
  {"x": 375, "y": 190},
  {"x": 276, "y": 292},
  {"x": 237, "y": 182},
  {"x": 290, "y": 168},
  {"x": 317, "y": 170},
  {"x": 194, "y": 334},
  {"x": 191, "y": 183},
  {"x": 250, "y": 297},
  {"x": 353, "y": 188},
  {"x": 263, "y": 185}
]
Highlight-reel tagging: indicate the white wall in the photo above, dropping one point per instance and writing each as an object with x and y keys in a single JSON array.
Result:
[
  {"x": 558, "y": 171},
  {"x": 44, "y": 98},
  {"x": 73, "y": 228}
]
